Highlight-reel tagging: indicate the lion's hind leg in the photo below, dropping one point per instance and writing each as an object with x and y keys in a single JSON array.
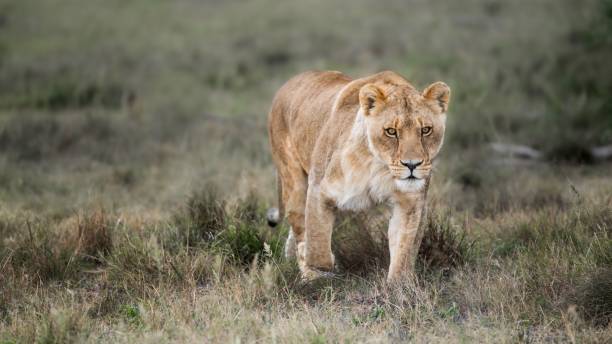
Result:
[
  {"x": 294, "y": 183},
  {"x": 295, "y": 203}
]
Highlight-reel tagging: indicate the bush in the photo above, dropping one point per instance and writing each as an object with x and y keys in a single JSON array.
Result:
[
  {"x": 360, "y": 243},
  {"x": 248, "y": 235},
  {"x": 240, "y": 231},
  {"x": 580, "y": 103},
  {"x": 444, "y": 245}
]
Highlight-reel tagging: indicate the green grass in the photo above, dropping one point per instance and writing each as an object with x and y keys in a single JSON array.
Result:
[{"x": 135, "y": 173}]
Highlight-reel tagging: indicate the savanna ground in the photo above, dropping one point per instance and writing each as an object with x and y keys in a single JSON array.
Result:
[{"x": 135, "y": 172}]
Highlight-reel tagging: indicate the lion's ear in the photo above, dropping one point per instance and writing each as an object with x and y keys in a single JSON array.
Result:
[
  {"x": 370, "y": 97},
  {"x": 438, "y": 92}
]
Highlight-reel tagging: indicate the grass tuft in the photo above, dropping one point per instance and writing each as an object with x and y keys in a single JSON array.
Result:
[
  {"x": 203, "y": 218},
  {"x": 445, "y": 245},
  {"x": 594, "y": 297},
  {"x": 247, "y": 236},
  {"x": 94, "y": 236},
  {"x": 239, "y": 231},
  {"x": 37, "y": 254},
  {"x": 61, "y": 326}
]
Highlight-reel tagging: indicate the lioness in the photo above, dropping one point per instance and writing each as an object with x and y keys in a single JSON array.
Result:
[{"x": 346, "y": 144}]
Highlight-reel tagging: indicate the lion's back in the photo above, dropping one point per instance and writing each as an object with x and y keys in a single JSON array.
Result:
[{"x": 300, "y": 109}]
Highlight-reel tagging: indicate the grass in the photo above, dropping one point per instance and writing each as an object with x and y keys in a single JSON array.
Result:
[
  {"x": 531, "y": 277},
  {"x": 135, "y": 173}
]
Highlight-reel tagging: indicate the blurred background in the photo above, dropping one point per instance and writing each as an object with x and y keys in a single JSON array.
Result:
[
  {"x": 132, "y": 105},
  {"x": 119, "y": 120}
]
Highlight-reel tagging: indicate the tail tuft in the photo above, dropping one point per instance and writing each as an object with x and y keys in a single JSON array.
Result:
[{"x": 273, "y": 216}]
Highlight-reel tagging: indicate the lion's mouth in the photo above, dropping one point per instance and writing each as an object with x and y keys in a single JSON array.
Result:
[{"x": 407, "y": 175}]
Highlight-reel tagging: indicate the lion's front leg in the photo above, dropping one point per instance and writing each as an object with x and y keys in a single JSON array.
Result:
[
  {"x": 314, "y": 253},
  {"x": 404, "y": 236}
]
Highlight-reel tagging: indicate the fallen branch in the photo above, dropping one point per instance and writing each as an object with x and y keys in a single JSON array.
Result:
[
  {"x": 601, "y": 153},
  {"x": 517, "y": 151}
]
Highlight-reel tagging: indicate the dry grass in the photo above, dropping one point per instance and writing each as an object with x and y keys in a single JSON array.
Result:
[{"x": 518, "y": 280}]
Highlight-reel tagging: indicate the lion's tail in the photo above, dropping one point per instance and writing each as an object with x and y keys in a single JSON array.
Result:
[{"x": 275, "y": 215}]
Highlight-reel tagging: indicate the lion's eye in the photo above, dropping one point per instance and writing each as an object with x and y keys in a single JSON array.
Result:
[
  {"x": 391, "y": 132},
  {"x": 426, "y": 130}
]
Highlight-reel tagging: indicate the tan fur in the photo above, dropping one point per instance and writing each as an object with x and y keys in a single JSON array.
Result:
[{"x": 331, "y": 143}]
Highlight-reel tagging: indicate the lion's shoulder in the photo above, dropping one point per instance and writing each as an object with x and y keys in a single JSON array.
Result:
[{"x": 349, "y": 95}]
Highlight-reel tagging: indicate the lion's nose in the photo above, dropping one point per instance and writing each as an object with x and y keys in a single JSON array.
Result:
[{"x": 411, "y": 164}]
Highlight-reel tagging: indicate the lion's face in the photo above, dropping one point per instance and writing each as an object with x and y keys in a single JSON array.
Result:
[{"x": 405, "y": 129}]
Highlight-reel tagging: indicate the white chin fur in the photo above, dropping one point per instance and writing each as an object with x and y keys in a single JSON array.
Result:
[{"x": 410, "y": 185}]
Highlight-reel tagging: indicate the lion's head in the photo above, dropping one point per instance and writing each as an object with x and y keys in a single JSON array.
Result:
[{"x": 405, "y": 128}]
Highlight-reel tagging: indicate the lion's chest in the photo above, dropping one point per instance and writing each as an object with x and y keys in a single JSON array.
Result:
[{"x": 360, "y": 188}]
